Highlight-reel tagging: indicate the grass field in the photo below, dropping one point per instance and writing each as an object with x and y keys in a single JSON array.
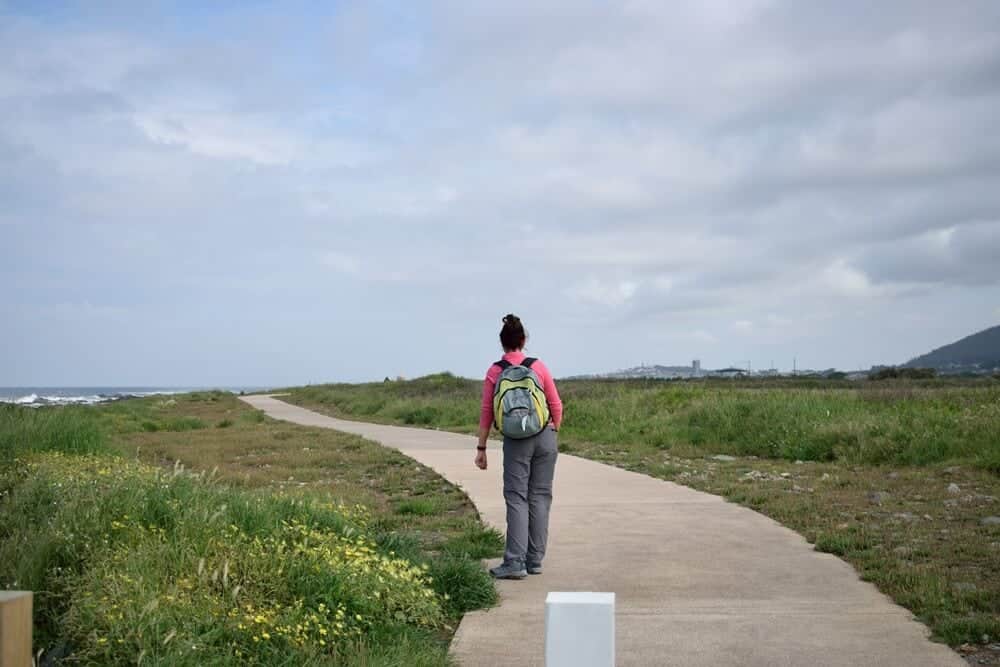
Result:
[
  {"x": 896, "y": 477},
  {"x": 194, "y": 530}
]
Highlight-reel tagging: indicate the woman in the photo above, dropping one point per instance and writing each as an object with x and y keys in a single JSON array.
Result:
[{"x": 528, "y": 464}]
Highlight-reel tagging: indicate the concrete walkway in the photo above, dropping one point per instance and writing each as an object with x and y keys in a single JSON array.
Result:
[{"x": 699, "y": 581}]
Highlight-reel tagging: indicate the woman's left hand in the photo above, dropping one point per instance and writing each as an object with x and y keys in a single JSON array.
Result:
[{"x": 481, "y": 459}]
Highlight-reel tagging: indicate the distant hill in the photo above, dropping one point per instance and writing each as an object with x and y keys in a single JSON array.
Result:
[{"x": 980, "y": 351}]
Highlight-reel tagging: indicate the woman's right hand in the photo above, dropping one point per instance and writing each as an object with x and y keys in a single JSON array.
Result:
[{"x": 481, "y": 462}]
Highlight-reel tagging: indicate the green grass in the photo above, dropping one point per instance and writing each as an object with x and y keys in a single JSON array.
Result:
[
  {"x": 262, "y": 554},
  {"x": 477, "y": 542},
  {"x": 419, "y": 507},
  {"x": 128, "y": 559},
  {"x": 65, "y": 429},
  {"x": 888, "y": 422},
  {"x": 837, "y": 442},
  {"x": 440, "y": 400}
]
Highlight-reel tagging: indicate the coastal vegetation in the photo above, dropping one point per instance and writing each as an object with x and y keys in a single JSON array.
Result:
[
  {"x": 899, "y": 477},
  {"x": 195, "y": 530}
]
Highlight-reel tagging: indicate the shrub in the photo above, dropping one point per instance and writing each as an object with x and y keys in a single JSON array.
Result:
[
  {"x": 462, "y": 584},
  {"x": 893, "y": 372},
  {"x": 129, "y": 560},
  {"x": 990, "y": 460},
  {"x": 254, "y": 417}
]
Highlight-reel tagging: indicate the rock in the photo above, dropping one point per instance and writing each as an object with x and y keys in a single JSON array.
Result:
[
  {"x": 990, "y": 521},
  {"x": 825, "y": 476},
  {"x": 902, "y": 551},
  {"x": 964, "y": 586},
  {"x": 953, "y": 489},
  {"x": 757, "y": 476},
  {"x": 894, "y": 475},
  {"x": 723, "y": 457},
  {"x": 905, "y": 516},
  {"x": 786, "y": 475},
  {"x": 877, "y": 497},
  {"x": 928, "y": 517},
  {"x": 952, "y": 470},
  {"x": 951, "y": 503},
  {"x": 798, "y": 463}
]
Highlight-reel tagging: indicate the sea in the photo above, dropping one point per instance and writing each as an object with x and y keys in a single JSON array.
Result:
[{"x": 41, "y": 396}]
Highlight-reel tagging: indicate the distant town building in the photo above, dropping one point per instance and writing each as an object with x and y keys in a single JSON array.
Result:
[
  {"x": 730, "y": 373},
  {"x": 696, "y": 367}
]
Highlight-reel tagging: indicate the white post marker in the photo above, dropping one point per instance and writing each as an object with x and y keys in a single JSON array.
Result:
[{"x": 580, "y": 630}]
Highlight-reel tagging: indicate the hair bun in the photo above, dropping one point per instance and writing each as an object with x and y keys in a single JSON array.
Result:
[{"x": 512, "y": 335}]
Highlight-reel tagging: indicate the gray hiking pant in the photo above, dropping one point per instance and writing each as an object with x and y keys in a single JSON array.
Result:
[{"x": 528, "y": 468}]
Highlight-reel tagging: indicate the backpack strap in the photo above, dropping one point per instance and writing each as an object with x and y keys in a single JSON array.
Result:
[
  {"x": 528, "y": 361},
  {"x": 503, "y": 364}
]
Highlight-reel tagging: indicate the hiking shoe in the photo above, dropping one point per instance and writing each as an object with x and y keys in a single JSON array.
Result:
[
  {"x": 534, "y": 568},
  {"x": 509, "y": 571}
]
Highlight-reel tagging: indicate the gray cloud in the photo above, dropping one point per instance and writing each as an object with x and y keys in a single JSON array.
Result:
[
  {"x": 664, "y": 181},
  {"x": 967, "y": 255}
]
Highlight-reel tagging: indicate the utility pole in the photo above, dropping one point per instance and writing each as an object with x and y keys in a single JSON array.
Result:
[{"x": 794, "y": 371}]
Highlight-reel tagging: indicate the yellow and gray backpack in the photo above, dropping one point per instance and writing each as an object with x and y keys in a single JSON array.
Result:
[{"x": 519, "y": 406}]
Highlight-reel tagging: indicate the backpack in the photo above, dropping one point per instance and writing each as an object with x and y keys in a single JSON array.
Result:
[{"x": 519, "y": 406}]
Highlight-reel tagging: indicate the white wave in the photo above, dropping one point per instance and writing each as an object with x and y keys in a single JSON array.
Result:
[
  {"x": 34, "y": 400},
  {"x": 67, "y": 400}
]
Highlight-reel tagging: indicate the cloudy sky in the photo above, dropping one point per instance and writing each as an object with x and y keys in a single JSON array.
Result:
[{"x": 245, "y": 193}]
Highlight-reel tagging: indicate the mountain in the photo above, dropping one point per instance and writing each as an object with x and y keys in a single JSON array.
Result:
[{"x": 980, "y": 351}]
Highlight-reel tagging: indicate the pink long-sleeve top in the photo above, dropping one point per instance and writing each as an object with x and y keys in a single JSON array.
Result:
[{"x": 548, "y": 385}]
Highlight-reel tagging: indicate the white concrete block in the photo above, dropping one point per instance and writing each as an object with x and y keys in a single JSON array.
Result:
[{"x": 580, "y": 630}]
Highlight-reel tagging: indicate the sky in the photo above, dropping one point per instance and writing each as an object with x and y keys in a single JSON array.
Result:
[{"x": 246, "y": 193}]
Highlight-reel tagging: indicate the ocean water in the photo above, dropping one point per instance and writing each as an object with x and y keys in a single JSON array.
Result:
[{"x": 40, "y": 396}]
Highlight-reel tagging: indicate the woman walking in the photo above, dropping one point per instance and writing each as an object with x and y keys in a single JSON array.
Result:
[{"x": 520, "y": 398}]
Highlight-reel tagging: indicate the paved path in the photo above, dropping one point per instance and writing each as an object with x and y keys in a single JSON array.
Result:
[{"x": 699, "y": 581}]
